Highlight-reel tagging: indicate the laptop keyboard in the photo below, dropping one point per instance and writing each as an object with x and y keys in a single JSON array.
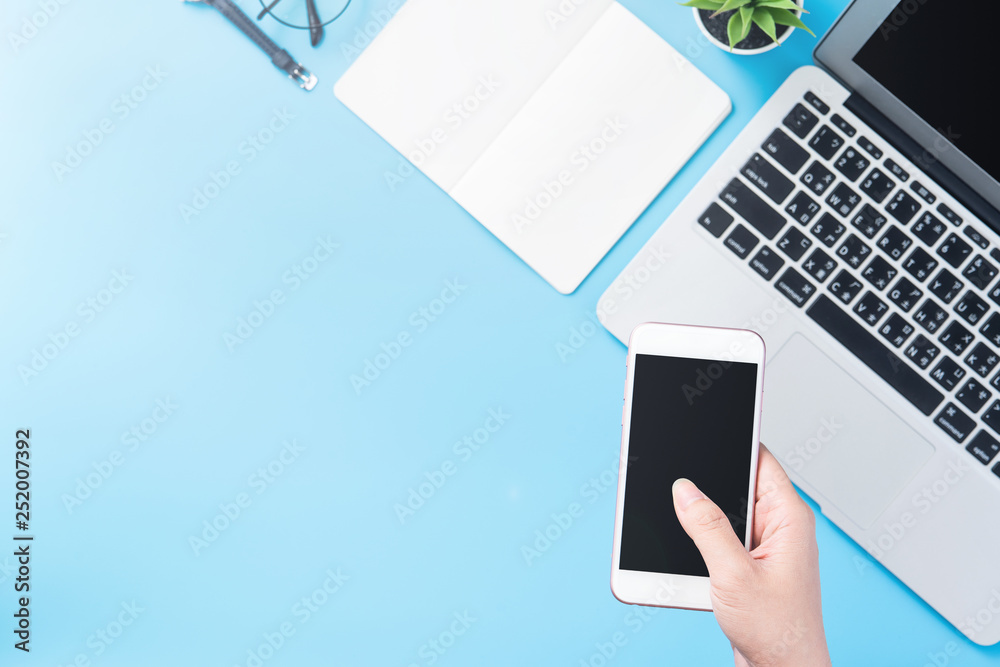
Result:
[{"x": 870, "y": 254}]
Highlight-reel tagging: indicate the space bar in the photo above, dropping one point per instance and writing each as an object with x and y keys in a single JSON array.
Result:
[{"x": 876, "y": 356}]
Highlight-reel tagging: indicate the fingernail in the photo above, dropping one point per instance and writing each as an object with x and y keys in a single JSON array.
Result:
[{"x": 685, "y": 493}]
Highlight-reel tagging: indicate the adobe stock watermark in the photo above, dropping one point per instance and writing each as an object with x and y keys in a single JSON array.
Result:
[
  {"x": 121, "y": 108},
  {"x": 465, "y": 449},
  {"x": 104, "y": 638},
  {"x": 436, "y": 647},
  {"x": 292, "y": 279},
  {"x": 635, "y": 277},
  {"x": 248, "y": 150},
  {"x": 87, "y": 311},
  {"x": 32, "y": 25},
  {"x": 579, "y": 335},
  {"x": 561, "y": 12},
  {"x": 635, "y": 620},
  {"x": 899, "y": 17},
  {"x": 230, "y": 511},
  {"x": 704, "y": 378},
  {"x": 132, "y": 439},
  {"x": 806, "y": 451},
  {"x": 365, "y": 33},
  {"x": 302, "y": 611},
  {"x": 453, "y": 118},
  {"x": 550, "y": 190},
  {"x": 990, "y": 612},
  {"x": 419, "y": 321}
]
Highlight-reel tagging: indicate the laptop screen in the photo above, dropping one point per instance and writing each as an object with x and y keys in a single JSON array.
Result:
[{"x": 930, "y": 55}]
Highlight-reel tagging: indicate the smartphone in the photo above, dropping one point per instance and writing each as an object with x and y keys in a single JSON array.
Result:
[{"x": 692, "y": 409}]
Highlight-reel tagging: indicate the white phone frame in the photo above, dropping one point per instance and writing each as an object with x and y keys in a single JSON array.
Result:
[{"x": 677, "y": 340}]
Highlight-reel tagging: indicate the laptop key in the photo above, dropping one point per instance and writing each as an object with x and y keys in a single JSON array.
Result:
[
  {"x": 992, "y": 416},
  {"x": 794, "y": 244},
  {"x": 973, "y": 396},
  {"x": 785, "y": 151},
  {"x": 982, "y": 360},
  {"x": 845, "y": 287},
  {"x": 819, "y": 265},
  {"x": 828, "y": 230},
  {"x": 851, "y": 164},
  {"x": 767, "y": 178},
  {"x": 946, "y": 286},
  {"x": 817, "y": 103},
  {"x": 984, "y": 447},
  {"x": 991, "y": 329},
  {"x": 920, "y": 264},
  {"x": 905, "y": 295},
  {"x": 766, "y": 262},
  {"x": 977, "y": 238},
  {"x": 826, "y": 142},
  {"x": 894, "y": 242},
  {"x": 817, "y": 178},
  {"x": 923, "y": 192},
  {"x": 955, "y": 423},
  {"x": 854, "y": 251},
  {"x": 870, "y": 148},
  {"x": 896, "y": 170},
  {"x": 903, "y": 207},
  {"x": 802, "y": 208},
  {"x": 980, "y": 272},
  {"x": 753, "y": 209},
  {"x": 972, "y": 308},
  {"x": 922, "y": 351},
  {"x": 715, "y": 220},
  {"x": 741, "y": 241},
  {"x": 896, "y": 330},
  {"x": 795, "y": 287},
  {"x": 879, "y": 358},
  {"x": 800, "y": 121},
  {"x": 949, "y": 215},
  {"x": 956, "y": 338},
  {"x": 871, "y": 309},
  {"x": 843, "y": 200},
  {"x": 931, "y": 316},
  {"x": 869, "y": 221},
  {"x": 879, "y": 273},
  {"x": 843, "y": 125},
  {"x": 954, "y": 250},
  {"x": 948, "y": 373},
  {"x": 928, "y": 229},
  {"x": 877, "y": 185}
]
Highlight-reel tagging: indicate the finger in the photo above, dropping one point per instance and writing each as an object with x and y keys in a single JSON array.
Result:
[
  {"x": 771, "y": 477},
  {"x": 709, "y": 528}
]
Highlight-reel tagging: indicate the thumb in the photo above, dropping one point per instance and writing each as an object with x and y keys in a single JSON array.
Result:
[{"x": 709, "y": 528}]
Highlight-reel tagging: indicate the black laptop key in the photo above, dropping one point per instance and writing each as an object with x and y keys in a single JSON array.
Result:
[
  {"x": 994, "y": 294},
  {"x": 794, "y": 286},
  {"x": 920, "y": 264},
  {"x": 945, "y": 286},
  {"x": 956, "y": 338},
  {"x": 894, "y": 242},
  {"x": 991, "y": 329},
  {"x": 972, "y": 308},
  {"x": 903, "y": 207},
  {"x": 928, "y": 229},
  {"x": 930, "y": 316},
  {"x": 884, "y": 362},
  {"x": 753, "y": 209},
  {"x": 973, "y": 395},
  {"x": 785, "y": 151},
  {"x": 817, "y": 178},
  {"x": 896, "y": 170},
  {"x": 984, "y": 447},
  {"x": 980, "y": 272},
  {"x": 766, "y": 262},
  {"x": 954, "y": 250},
  {"x": 922, "y": 351},
  {"x": 794, "y": 243},
  {"x": 871, "y": 309},
  {"x": 802, "y": 208},
  {"x": 982, "y": 360},
  {"x": 741, "y": 241},
  {"x": 854, "y": 251},
  {"x": 870, "y": 148},
  {"x": 828, "y": 230},
  {"x": 826, "y": 142},
  {"x": 949, "y": 215},
  {"x": 879, "y": 273},
  {"x": 843, "y": 125},
  {"x": 851, "y": 164},
  {"x": 977, "y": 238},
  {"x": 843, "y": 199},
  {"x": 877, "y": 185},
  {"x": 715, "y": 220},
  {"x": 767, "y": 178},
  {"x": 817, "y": 103},
  {"x": 819, "y": 265},
  {"x": 869, "y": 221},
  {"x": 948, "y": 373},
  {"x": 992, "y": 416},
  {"x": 923, "y": 192},
  {"x": 896, "y": 330},
  {"x": 905, "y": 295},
  {"x": 800, "y": 121},
  {"x": 845, "y": 287},
  {"x": 955, "y": 423}
]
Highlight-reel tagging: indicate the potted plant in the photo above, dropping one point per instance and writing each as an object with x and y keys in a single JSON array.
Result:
[{"x": 748, "y": 26}]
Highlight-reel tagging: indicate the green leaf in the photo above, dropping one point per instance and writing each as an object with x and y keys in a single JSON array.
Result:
[
  {"x": 766, "y": 23},
  {"x": 735, "y": 30},
  {"x": 781, "y": 4},
  {"x": 785, "y": 17},
  {"x": 703, "y": 4},
  {"x": 730, "y": 5},
  {"x": 746, "y": 13}
]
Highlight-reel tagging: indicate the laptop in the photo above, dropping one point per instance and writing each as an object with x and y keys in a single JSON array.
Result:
[{"x": 854, "y": 224}]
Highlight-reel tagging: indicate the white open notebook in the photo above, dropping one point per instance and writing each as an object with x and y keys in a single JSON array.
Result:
[{"x": 554, "y": 124}]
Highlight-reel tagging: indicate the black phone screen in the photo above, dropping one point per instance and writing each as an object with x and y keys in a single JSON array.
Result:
[{"x": 690, "y": 418}]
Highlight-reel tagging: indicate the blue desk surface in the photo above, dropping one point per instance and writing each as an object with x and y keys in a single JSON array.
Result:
[{"x": 199, "y": 257}]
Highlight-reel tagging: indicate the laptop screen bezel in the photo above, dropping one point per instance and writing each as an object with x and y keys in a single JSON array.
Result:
[{"x": 836, "y": 52}]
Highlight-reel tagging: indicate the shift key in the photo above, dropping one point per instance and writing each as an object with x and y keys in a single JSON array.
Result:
[{"x": 753, "y": 209}]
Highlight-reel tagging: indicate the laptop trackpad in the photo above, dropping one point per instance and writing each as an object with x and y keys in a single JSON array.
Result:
[{"x": 831, "y": 433}]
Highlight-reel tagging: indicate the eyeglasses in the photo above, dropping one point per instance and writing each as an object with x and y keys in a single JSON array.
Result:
[{"x": 309, "y": 15}]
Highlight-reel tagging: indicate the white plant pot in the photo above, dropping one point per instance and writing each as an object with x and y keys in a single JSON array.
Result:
[{"x": 743, "y": 52}]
